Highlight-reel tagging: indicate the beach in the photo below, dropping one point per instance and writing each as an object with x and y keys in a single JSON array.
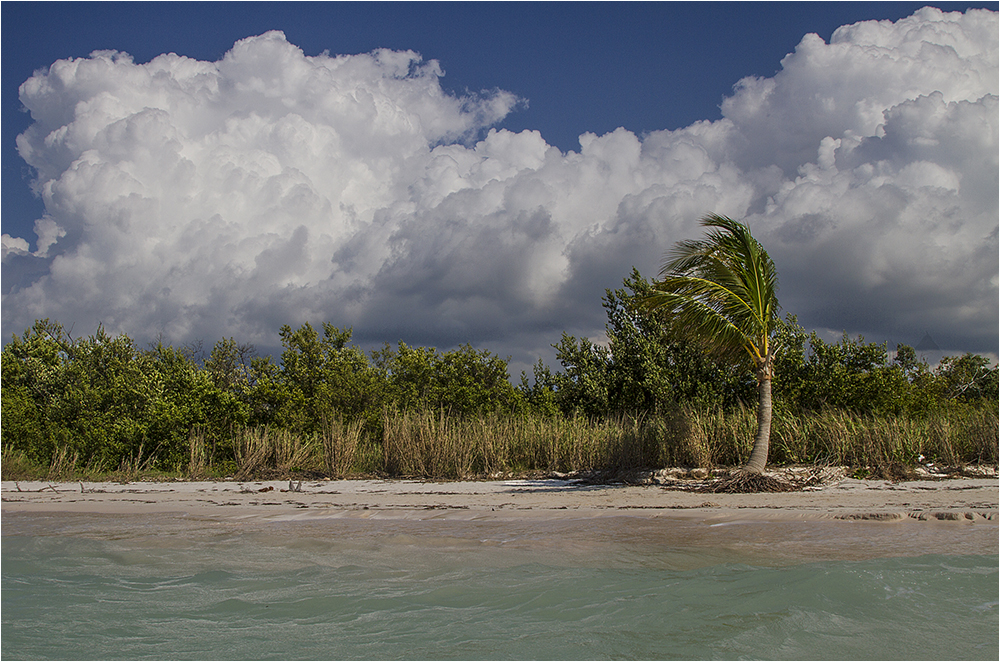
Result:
[
  {"x": 843, "y": 518},
  {"x": 963, "y": 500}
]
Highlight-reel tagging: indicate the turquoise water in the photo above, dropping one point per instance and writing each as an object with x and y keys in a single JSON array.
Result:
[{"x": 90, "y": 587}]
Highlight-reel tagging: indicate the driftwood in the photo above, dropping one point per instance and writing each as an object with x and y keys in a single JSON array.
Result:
[
  {"x": 744, "y": 482},
  {"x": 50, "y": 486}
]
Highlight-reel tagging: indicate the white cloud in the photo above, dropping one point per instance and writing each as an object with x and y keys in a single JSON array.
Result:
[
  {"x": 13, "y": 245},
  {"x": 202, "y": 199}
]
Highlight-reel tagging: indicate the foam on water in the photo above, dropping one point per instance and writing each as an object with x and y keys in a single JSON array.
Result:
[{"x": 89, "y": 587}]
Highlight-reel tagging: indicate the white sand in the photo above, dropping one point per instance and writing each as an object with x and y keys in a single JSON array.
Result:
[{"x": 963, "y": 501}]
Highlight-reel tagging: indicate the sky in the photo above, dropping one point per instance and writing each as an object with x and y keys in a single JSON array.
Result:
[{"x": 446, "y": 173}]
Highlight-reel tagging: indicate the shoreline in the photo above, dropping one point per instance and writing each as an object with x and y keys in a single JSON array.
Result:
[{"x": 956, "y": 501}]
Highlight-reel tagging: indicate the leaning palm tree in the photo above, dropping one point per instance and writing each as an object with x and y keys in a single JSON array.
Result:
[{"x": 722, "y": 292}]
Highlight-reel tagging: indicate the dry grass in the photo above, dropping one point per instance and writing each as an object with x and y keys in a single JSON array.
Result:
[
  {"x": 434, "y": 445},
  {"x": 16, "y": 465},
  {"x": 64, "y": 464},
  {"x": 132, "y": 467},
  {"x": 198, "y": 455},
  {"x": 263, "y": 451},
  {"x": 887, "y": 446},
  {"x": 343, "y": 445}
]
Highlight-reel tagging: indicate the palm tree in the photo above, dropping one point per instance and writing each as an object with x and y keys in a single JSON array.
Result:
[{"x": 722, "y": 291}]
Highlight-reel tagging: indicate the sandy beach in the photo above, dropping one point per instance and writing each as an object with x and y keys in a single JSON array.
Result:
[
  {"x": 842, "y": 519},
  {"x": 970, "y": 501}
]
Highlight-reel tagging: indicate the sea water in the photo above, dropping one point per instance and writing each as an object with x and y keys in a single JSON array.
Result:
[{"x": 172, "y": 588}]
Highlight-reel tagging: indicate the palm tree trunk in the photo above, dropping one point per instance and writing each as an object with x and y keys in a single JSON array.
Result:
[{"x": 758, "y": 456}]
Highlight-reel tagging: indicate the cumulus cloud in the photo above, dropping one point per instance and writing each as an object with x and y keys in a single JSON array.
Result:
[
  {"x": 13, "y": 246},
  {"x": 209, "y": 199}
]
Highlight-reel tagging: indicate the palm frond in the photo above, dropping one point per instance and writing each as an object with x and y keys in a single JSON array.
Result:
[
  {"x": 692, "y": 318},
  {"x": 721, "y": 289}
]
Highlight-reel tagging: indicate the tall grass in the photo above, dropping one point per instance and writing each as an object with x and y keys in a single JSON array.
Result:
[
  {"x": 347, "y": 451},
  {"x": 961, "y": 436},
  {"x": 431, "y": 444},
  {"x": 64, "y": 464},
  {"x": 435, "y": 445},
  {"x": 263, "y": 451},
  {"x": 952, "y": 438}
]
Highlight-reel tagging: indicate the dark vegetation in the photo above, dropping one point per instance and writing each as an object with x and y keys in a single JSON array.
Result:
[{"x": 103, "y": 407}]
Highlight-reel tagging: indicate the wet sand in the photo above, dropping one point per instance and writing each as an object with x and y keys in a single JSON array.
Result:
[{"x": 555, "y": 521}]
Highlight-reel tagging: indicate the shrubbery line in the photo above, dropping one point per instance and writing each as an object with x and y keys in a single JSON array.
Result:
[{"x": 101, "y": 405}]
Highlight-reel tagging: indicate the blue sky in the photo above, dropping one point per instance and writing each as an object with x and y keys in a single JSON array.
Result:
[
  {"x": 580, "y": 66},
  {"x": 573, "y": 68}
]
